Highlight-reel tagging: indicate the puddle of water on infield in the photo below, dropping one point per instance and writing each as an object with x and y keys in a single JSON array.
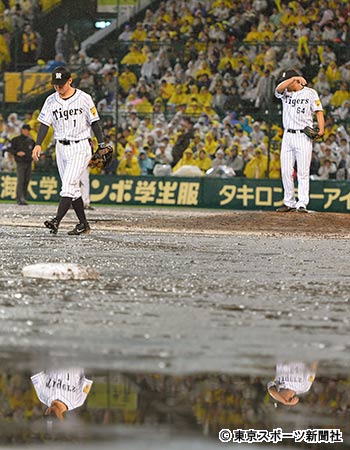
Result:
[{"x": 157, "y": 408}]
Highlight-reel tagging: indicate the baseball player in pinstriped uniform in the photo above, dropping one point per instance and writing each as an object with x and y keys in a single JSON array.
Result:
[
  {"x": 299, "y": 104},
  {"x": 291, "y": 380},
  {"x": 61, "y": 390},
  {"x": 72, "y": 114}
]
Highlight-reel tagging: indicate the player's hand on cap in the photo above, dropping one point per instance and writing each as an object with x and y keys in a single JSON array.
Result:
[
  {"x": 36, "y": 152},
  {"x": 301, "y": 80}
]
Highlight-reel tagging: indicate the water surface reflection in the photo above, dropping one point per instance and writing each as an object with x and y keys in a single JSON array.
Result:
[{"x": 101, "y": 405}]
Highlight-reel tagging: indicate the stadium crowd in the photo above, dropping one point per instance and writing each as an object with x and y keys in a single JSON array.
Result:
[
  {"x": 192, "y": 85},
  {"x": 18, "y": 34}
]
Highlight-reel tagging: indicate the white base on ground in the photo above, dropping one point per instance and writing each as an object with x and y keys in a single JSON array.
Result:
[{"x": 60, "y": 271}]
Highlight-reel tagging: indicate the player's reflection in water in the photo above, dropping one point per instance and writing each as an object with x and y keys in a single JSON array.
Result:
[
  {"x": 61, "y": 390},
  {"x": 291, "y": 380}
]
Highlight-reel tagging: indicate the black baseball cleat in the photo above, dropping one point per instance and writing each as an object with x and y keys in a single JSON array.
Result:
[
  {"x": 80, "y": 228},
  {"x": 285, "y": 208},
  {"x": 302, "y": 209},
  {"x": 52, "y": 224}
]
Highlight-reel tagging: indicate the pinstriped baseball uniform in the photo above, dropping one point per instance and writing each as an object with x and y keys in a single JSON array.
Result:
[
  {"x": 296, "y": 376},
  {"x": 68, "y": 386},
  {"x": 71, "y": 120},
  {"x": 298, "y": 109}
]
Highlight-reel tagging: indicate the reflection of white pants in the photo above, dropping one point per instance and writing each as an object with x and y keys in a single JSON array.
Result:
[{"x": 85, "y": 187}]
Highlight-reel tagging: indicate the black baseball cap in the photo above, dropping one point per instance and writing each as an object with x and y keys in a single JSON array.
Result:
[
  {"x": 60, "y": 76},
  {"x": 26, "y": 126},
  {"x": 285, "y": 75}
]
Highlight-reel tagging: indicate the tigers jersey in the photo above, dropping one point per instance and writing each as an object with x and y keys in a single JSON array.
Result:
[
  {"x": 296, "y": 376},
  {"x": 299, "y": 107},
  {"x": 69, "y": 386},
  {"x": 71, "y": 118}
]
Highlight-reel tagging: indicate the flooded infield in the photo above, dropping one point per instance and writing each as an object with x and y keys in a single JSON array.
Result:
[{"x": 175, "y": 315}]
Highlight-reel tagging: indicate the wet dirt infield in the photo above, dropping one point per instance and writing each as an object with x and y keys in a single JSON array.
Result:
[
  {"x": 179, "y": 290},
  {"x": 189, "y": 305}
]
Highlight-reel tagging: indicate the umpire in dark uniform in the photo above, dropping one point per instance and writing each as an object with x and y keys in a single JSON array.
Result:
[{"x": 21, "y": 148}]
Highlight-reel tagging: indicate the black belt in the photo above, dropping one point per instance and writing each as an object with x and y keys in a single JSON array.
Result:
[
  {"x": 65, "y": 142},
  {"x": 294, "y": 131}
]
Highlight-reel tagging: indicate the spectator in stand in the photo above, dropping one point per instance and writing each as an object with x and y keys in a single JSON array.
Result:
[
  {"x": 328, "y": 55},
  {"x": 344, "y": 145},
  {"x": 60, "y": 42},
  {"x": 320, "y": 81},
  {"x": 343, "y": 34},
  {"x": 221, "y": 12},
  {"x": 275, "y": 165},
  {"x": 327, "y": 169},
  {"x": 14, "y": 123},
  {"x": 343, "y": 164},
  {"x": 163, "y": 154},
  {"x": 148, "y": 19},
  {"x": 146, "y": 164},
  {"x": 139, "y": 34},
  {"x": 257, "y": 166},
  {"x": 87, "y": 82},
  {"x": 150, "y": 152},
  {"x": 220, "y": 159},
  {"x": 264, "y": 91},
  {"x": 132, "y": 120},
  {"x": 95, "y": 65},
  {"x": 216, "y": 33},
  {"x": 129, "y": 164},
  {"x": 333, "y": 74},
  {"x": 257, "y": 135},
  {"x": 327, "y": 153},
  {"x": 127, "y": 79},
  {"x": 326, "y": 97},
  {"x": 126, "y": 34},
  {"x": 345, "y": 71},
  {"x": 203, "y": 161},
  {"x": 150, "y": 69},
  {"x": 184, "y": 139},
  {"x": 29, "y": 45},
  {"x": 235, "y": 161},
  {"x": 340, "y": 95},
  {"x": 329, "y": 33},
  {"x": 109, "y": 66},
  {"x": 275, "y": 17},
  {"x": 5, "y": 56},
  {"x": 343, "y": 112},
  {"x": 241, "y": 137},
  {"x": 134, "y": 56},
  {"x": 219, "y": 100},
  {"x": 187, "y": 159}
]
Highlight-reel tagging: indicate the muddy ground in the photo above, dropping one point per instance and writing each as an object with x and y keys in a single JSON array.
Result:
[{"x": 180, "y": 291}]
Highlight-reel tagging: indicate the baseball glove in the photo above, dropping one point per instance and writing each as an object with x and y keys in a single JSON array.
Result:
[
  {"x": 312, "y": 133},
  {"x": 102, "y": 157}
]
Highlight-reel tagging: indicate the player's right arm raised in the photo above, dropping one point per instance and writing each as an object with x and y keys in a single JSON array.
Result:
[{"x": 288, "y": 83}]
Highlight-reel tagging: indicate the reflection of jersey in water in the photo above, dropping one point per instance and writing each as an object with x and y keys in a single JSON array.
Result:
[
  {"x": 69, "y": 386},
  {"x": 296, "y": 376}
]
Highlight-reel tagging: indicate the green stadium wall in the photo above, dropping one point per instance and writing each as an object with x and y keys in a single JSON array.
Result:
[{"x": 206, "y": 192}]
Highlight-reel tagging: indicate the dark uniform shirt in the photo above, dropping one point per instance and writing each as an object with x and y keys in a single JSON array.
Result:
[{"x": 22, "y": 144}]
